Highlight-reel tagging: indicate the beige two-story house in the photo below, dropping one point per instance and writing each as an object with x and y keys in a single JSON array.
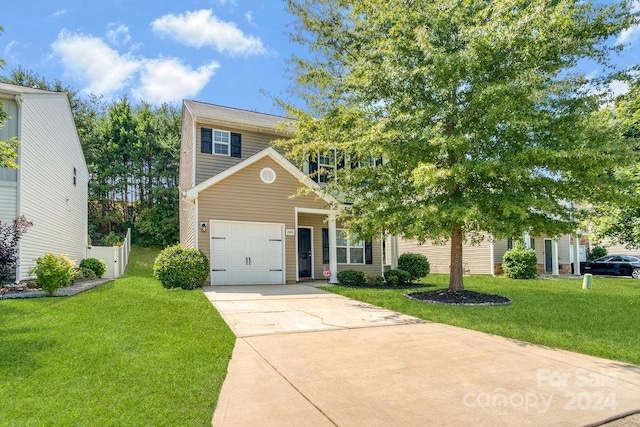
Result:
[{"x": 239, "y": 203}]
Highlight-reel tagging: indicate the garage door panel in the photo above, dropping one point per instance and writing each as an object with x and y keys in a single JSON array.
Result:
[{"x": 246, "y": 253}]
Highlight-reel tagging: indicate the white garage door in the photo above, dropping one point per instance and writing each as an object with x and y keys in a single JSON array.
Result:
[{"x": 246, "y": 253}]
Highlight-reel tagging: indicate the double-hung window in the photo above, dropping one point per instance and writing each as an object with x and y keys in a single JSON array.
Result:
[
  {"x": 221, "y": 142},
  {"x": 327, "y": 165},
  {"x": 350, "y": 250}
]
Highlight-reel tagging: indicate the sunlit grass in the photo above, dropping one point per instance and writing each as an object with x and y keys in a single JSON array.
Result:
[
  {"x": 603, "y": 321},
  {"x": 125, "y": 353}
]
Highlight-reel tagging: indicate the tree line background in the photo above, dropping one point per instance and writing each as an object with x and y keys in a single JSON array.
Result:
[{"x": 132, "y": 151}]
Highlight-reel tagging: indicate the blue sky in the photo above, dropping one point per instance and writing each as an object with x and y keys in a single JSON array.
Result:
[{"x": 226, "y": 52}]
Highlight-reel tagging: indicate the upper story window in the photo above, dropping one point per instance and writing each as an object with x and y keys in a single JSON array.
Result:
[
  {"x": 327, "y": 166},
  {"x": 222, "y": 142}
]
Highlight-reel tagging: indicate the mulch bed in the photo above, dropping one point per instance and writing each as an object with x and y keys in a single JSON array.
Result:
[
  {"x": 447, "y": 297},
  {"x": 22, "y": 291}
]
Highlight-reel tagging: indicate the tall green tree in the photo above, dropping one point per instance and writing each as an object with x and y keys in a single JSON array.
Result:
[
  {"x": 8, "y": 148},
  {"x": 621, "y": 222},
  {"x": 482, "y": 124}
]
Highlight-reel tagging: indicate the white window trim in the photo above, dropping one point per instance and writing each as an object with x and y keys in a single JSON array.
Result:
[
  {"x": 214, "y": 142},
  {"x": 348, "y": 248}
]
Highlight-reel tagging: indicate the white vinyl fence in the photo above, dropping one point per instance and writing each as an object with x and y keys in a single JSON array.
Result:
[{"x": 116, "y": 257}]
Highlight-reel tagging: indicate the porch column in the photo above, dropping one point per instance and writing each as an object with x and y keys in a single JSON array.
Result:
[
  {"x": 333, "y": 251},
  {"x": 554, "y": 257},
  {"x": 527, "y": 240},
  {"x": 576, "y": 255},
  {"x": 394, "y": 251},
  {"x": 492, "y": 255}
]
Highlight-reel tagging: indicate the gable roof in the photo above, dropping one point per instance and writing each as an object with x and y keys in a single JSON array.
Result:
[
  {"x": 267, "y": 152},
  {"x": 234, "y": 116},
  {"x": 15, "y": 89}
]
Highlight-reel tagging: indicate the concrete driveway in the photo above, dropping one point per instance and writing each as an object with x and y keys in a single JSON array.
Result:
[{"x": 308, "y": 357}]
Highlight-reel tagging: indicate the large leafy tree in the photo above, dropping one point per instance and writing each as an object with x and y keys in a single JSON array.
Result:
[
  {"x": 473, "y": 106},
  {"x": 621, "y": 222}
]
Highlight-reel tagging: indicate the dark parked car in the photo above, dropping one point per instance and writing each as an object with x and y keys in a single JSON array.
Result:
[{"x": 615, "y": 265}]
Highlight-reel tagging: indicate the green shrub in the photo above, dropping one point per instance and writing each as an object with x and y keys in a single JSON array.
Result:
[
  {"x": 180, "y": 267},
  {"x": 417, "y": 265},
  {"x": 53, "y": 272},
  {"x": 80, "y": 273},
  {"x": 98, "y": 266},
  {"x": 351, "y": 278},
  {"x": 113, "y": 239},
  {"x": 397, "y": 277},
  {"x": 597, "y": 252},
  {"x": 374, "y": 279},
  {"x": 520, "y": 263}
]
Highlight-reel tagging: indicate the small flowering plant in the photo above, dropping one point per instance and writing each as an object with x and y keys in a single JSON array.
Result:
[{"x": 326, "y": 273}]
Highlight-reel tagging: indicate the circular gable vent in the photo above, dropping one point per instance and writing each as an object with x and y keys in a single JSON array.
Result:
[{"x": 267, "y": 175}]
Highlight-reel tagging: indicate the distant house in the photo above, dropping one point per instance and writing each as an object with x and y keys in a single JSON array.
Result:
[
  {"x": 50, "y": 185},
  {"x": 237, "y": 203},
  {"x": 555, "y": 256}
]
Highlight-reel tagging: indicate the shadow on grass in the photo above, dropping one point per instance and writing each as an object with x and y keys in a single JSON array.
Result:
[{"x": 407, "y": 286}]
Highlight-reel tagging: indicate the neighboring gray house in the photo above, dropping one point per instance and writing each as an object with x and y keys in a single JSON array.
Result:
[{"x": 50, "y": 185}]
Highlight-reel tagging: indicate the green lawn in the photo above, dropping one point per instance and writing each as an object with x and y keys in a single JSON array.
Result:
[
  {"x": 125, "y": 353},
  {"x": 604, "y": 321}
]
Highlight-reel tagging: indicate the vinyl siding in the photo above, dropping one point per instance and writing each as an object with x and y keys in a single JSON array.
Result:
[
  {"x": 477, "y": 257},
  {"x": 49, "y": 151},
  {"x": 614, "y": 248},
  {"x": 208, "y": 165},
  {"x": 244, "y": 197},
  {"x": 187, "y": 209},
  {"x": 8, "y": 200},
  {"x": 318, "y": 223},
  {"x": 187, "y": 223}
]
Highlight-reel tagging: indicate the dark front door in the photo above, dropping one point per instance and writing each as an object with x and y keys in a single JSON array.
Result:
[
  {"x": 548, "y": 257},
  {"x": 304, "y": 253}
]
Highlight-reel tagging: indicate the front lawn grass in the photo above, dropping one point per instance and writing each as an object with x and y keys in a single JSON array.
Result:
[
  {"x": 125, "y": 353},
  {"x": 603, "y": 321}
]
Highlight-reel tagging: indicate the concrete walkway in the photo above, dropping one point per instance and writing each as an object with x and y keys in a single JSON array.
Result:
[{"x": 308, "y": 357}]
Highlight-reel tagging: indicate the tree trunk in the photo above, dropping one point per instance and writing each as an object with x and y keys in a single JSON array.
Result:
[{"x": 455, "y": 277}]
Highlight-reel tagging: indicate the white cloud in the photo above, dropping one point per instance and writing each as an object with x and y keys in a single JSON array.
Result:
[
  {"x": 202, "y": 28},
  {"x": 248, "y": 15},
  {"x": 90, "y": 60},
  {"x": 631, "y": 33},
  {"x": 59, "y": 12},
  {"x": 618, "y": 87},
  {"x": 169, "y": 80},
  {"x": 118, "y": 34}
]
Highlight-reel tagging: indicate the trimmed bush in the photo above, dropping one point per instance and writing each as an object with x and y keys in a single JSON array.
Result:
[
  {"x": 351, "y": 278},
  {"x": 397, "y": 277},
  {"x": 180, "y": 267},
  {"x": 597, "y": 252},
  {"x": 520, "y": 263},
  {"x": 417, "y": 265},
  {"x": 83, "y": 273},
  {"x": 98, "y": 266},
  {"x": 374, "y": 279},
  {"x": 53, "y": 272}
]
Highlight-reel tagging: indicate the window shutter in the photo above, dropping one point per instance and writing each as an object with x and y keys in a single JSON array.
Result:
[
  {"x": 236, "y": 145},
  {"x": 532, "y": 243},
  {"x": 206, "y": 145},
  {"x": 368, "y": 252},
  {"x": 510, "y": 243},
  {"x": 341, "y": 163},
  {"x": 313, "y": 168},
  {"x": 325, "y": 246},
  {"x": 378, "y": 161}
]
